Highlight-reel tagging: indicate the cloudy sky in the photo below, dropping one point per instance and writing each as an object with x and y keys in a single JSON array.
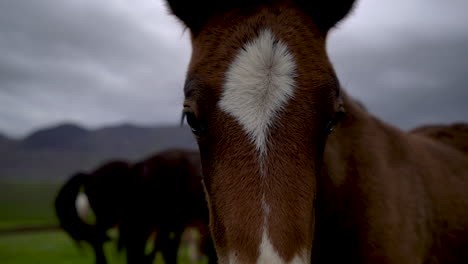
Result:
[{"x": 109, "y": 61}]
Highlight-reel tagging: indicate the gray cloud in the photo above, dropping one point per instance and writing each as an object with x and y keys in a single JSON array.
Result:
[
  {"x": 406, "y": 60},
  {"x": 89, "y": 62},
  {"x": 108, "y": 61}
]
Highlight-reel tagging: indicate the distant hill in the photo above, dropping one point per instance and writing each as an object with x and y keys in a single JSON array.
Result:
[
  {"x": 55, "y": 153},
  {"x": 3, "y": 138},
  {"x": 64, "y": 137},
  {"x": 6, "y": 142}
]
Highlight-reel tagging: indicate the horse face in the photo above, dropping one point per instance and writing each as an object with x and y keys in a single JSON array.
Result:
[{"x": 260, "y": 96}]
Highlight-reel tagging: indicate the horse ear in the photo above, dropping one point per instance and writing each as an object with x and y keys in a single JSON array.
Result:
[
  {"x": 326, "y": 13},
  {"x": 192, "y": 13}
]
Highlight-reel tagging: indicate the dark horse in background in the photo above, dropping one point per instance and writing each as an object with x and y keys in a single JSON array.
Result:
[
  {"x": 169, "y": 198},
  {"x": 105, "y": 189},
  {"x": 163, "y": 194},
  {"x": 455, "y": 135}
]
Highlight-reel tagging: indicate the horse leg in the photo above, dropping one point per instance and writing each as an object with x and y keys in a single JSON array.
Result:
[
  {"x": 100, "y": 257},
  {"x": 157, "y": 246},
  {"x": 170, "y": 246},
  {"x": 135, "y": 245}
]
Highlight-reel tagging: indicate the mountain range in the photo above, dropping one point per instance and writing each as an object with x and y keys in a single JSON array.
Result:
[{"x": 55, "y": 153}]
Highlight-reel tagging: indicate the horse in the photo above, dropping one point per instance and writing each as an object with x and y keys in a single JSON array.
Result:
[
  {"x": 294, "y": 170},
  {"x": 455, "y": 135},
  {"x": 118, "y": 193},
  {"x": 103, "y": 192},
  {"x": 168, "y": 199}
]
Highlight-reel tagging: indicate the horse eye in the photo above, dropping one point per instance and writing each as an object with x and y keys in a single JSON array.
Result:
[
  {"x": 333, "y": 122},
  {"x": 330, "y": 127},
  {"x": 194, "y": 123}
]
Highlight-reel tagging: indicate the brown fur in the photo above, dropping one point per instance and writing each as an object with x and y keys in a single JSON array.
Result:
[{"x": 367, "y": 193}]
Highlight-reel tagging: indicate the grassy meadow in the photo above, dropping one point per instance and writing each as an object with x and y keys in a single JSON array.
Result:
[
  {"x": 31, "y": 204},
  {"x": 27, "y": 204}
]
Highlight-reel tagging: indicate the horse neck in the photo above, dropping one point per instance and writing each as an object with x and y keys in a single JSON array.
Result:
[
  {"x": 357, "y": 151},
  {"x": 358, "y": 144},
  {"x": 376, "y": 177},
  {"x": 360, "y": 141}
]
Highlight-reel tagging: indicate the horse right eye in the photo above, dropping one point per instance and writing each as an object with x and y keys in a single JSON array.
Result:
[{"x": 194, "y": 123}]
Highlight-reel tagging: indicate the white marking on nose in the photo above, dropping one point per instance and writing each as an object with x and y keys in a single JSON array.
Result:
[
  {"x": 259, "y": 83},
  {"x": 268, "y": 254}
]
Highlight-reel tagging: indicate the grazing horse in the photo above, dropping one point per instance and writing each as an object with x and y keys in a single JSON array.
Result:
[
  {"x": 104, "y": 190},
  {"x": 148, "y": 196},
  {"x": 168, "y": 198},
  {"x": 455, "y": 135},
  {"x": 295, "y": 171}
]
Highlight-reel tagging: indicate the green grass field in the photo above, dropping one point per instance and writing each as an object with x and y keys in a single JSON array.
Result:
[
  {"x": 51, "y": 247},
  {"x": 23, "y": 204},
  {"x": 31, "y": 204}
]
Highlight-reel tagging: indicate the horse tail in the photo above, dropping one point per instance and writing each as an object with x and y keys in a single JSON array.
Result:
[{"x": 67, "y": 211}]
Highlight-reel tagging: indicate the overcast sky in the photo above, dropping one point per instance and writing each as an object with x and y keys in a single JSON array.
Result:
[{"x": 110, "y": 61}]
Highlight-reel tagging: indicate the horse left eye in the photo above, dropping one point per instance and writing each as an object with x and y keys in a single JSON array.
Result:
[
  {"x": 330, "y": 126},
  {"x": 333, "y": 122},
  {"x": 194, "y": 123}
]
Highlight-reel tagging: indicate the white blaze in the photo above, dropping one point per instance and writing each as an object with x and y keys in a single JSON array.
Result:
[
  {"x": 258, "y": 84},
  {"x": 268, "y": 254}
]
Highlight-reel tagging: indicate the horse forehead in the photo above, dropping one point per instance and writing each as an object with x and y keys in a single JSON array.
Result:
[{"x": 258, "y": 84}]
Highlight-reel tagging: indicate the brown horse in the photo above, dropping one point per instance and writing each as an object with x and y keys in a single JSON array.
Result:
[
  {"x": 104, "y": 189},
  {"x": 139, "y": 199},
  {"x": 295, "y": 171},
  {"x": 168, "y": 198},
  {"x": 455, "y": 135}
]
